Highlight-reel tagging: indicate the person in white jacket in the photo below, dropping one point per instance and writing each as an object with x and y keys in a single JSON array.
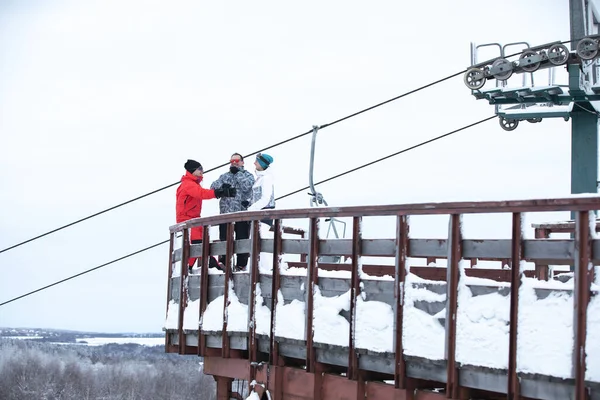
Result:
[{"x": 263, "y": 191}]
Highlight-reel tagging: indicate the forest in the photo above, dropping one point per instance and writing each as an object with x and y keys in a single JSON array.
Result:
[{"x": 31, "y": 370}]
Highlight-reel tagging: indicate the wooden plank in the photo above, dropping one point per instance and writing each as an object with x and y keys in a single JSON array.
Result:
[
  {"x": 204, "y": 282},
  {"x": 169, "y": 277},
  {"x": 228, "y": 267},
  {"x": 182, "y": 289},
  {"x": 275, "y": 285},
  {"x": 584, "y": 276},
  {"x": 516, "y": 278},
  {"x": 254, "y": 276},
  {"x": 354, "y": 293},
  {"x": 311, "y": 281},
  {"x": 453, "y": 275},
  {"x": 554, "y": 251},
  {"x": 402, "y": 249},
  {"x": 532, "y": 205}
]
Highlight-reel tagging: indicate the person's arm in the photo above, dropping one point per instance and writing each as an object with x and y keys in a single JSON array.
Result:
[
  {"x": 199, "y": 192},
  {"x": 267, "y": 191}
]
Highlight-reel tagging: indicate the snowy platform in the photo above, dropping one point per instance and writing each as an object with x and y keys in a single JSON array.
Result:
[
  {"x": 436, "y": 317},
  {"x": 545, "y": 335}
]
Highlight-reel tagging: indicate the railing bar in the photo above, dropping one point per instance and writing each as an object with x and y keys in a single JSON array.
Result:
[
  {"x": 254, "y": 277},
  {"x": 311, "y": 282},
  {"x": 402, "y": 243},
  {"x": 228, "y": 258},
  {"x": 354, "y": 293},
  {"x": 535, "y": 205},
  {"x": 275, "y": 286},
  {"x": 169, "y": 278},
  {"x": 514, "y": 391},
  {"x": 581, "y": 296},
  {"x": 182, "y": 289},
  {"x": 454, "y": 256},
  {"x": 203, "y": 287}
]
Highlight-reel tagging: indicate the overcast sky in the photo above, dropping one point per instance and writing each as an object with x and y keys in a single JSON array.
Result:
[{"x": 102, "y": 101}]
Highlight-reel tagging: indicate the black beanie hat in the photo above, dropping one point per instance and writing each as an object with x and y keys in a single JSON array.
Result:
[{"x": 192, "y": 165}]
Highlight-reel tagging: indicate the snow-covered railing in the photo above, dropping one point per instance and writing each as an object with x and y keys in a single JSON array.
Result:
[{"x": 187, "y": 325}]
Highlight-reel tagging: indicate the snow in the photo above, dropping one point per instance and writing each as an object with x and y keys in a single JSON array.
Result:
[
  {"x": 545, "y": 336},
  {"x": 100, "y": 341},
  {"x": 172, "y": 315}
]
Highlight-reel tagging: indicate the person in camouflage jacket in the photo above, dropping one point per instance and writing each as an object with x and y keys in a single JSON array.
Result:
[{"x": 242, "y": 181}]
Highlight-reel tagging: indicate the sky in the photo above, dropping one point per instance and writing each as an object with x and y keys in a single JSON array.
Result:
[{"x": 103, "y": 101}]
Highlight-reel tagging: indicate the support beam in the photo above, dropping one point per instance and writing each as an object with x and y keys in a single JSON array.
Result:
[
  {"x": 275, "y": 286},
  {"x": 169, "y": 276},
  {"x": 354, "y": 293},
  {"x": 254, "y": 279},
  {"x": 584, "y": 276},
  {"x": 402, "y": 242},
  {"x": 228, "y": 266},
  {"x": 453, "y": 275},
  {"x": 203, "y": 287},
  {"x": 516, "y": 276},
  {"x": 183, "y": 274},
  {"x": 312, "y": 279}
]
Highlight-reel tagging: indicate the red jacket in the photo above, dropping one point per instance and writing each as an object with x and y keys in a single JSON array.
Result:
[{"x": 189, "y": 201}]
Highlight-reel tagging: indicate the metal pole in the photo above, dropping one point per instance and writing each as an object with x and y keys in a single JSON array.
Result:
[{"x": 584, "y": 124}]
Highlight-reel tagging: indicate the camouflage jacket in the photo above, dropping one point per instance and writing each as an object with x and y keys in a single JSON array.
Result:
[{"x": 243, "y": 182}]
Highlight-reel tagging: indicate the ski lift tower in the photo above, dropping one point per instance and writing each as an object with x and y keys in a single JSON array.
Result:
[{"x": 579, "y": 100}]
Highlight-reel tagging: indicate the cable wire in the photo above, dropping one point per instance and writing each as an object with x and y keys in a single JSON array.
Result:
[
  {"x": 250, "y": 154},
  {"x": 279, "y": 198},
  {"x": 222, "y": 165},
  {"x": 83, "y": 273}
]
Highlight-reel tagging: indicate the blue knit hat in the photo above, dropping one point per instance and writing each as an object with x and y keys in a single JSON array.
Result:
[{"x": 264, "y": 160}]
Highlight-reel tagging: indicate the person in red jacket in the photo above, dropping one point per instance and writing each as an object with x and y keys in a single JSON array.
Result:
[{"x": 189, "y": 201}]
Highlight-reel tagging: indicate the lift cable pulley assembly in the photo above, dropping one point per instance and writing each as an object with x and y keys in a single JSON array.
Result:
[{"x": 529, "y": 60}]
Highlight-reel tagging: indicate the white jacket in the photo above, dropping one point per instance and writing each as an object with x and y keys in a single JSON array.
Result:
[{"x": 263, "y": 191}]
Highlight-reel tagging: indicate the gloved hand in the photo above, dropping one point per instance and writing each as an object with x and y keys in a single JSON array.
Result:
[
  {"x": 234, "y": 170},
  {"x": 225, "y": 191},
  {"x": 245, "y": 204}
]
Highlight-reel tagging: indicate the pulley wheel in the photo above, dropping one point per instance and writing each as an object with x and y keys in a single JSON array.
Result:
[
  {"x": 474, "y": 78},
  {"x": 508, "y": 124},
  {"x": 526, "y": 63},
  {"x": 505, "y": 68},
  {"x": 558, "y": 54},
  {"x": 587, "y": 49}
]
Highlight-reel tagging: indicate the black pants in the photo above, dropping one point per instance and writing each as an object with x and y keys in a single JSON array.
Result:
[{"x": 242, "y": 231}]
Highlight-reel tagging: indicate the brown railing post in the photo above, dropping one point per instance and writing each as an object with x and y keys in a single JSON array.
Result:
[
  {"x": 516, "y": 276},
  {"x": 354, "y": 293},
  {"x": 169, "y": 278},
  {"x": 228, "y": 258},
  {"x": 402, "y": 242},
  {"x": 203, "y": 287},
  {"x": 185, "y": 256},
  {"x": 584, "y": 276},
  {"x": 254, "y": 280},
  {"x": 275, "y": 285},
  {"x": 454, "y": 257},
  {"x": 312, "y": 278},
  {"x": 542, "y": 270}
]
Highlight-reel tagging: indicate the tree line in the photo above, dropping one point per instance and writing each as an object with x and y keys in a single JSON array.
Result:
[{"x": 32, "y": 370}]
